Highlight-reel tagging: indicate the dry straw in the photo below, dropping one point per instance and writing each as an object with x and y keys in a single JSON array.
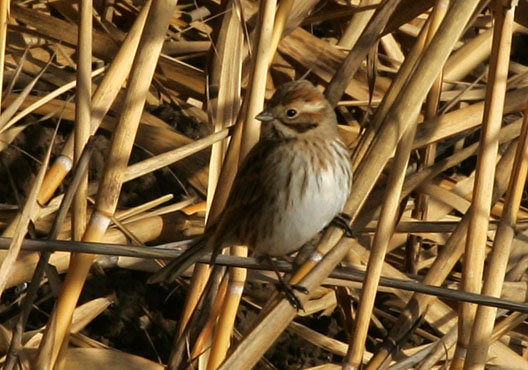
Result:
[
  {"x": 82, "y": 114},
  {"x": 140, "y": 78},
  {"x": 207, "y": 66},
  {"x": 475, "y": 252}
]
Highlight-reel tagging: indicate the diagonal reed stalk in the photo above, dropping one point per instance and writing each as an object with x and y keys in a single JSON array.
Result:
[
  {"x": 418, "y": 305},
  {"x": 386, "y": 226},
  {"x": 385, "y": 229},
  {"x": 27, "y": 304}
]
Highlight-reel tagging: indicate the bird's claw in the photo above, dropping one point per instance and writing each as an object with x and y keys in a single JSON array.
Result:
[
  {"x": 342, "y": 221},
  {"x": 289, "y": 291}
]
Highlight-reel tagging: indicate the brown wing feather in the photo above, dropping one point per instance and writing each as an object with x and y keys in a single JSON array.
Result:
[{"x": 252, "y": 189}]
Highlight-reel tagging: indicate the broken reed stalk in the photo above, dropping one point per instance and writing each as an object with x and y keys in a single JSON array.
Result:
[
  {"x": 448, "y": 256},
  {"x": 122, "y": 142},
  {"x": 102, "y": 100},
  {"x": 405, "y": 111},
  {"x": 498, "y": 260},
  {"x": 83, "y": 97},
  {"x": 475, "y": 252},
  {"x": 393, "y": 50},
  {"x": 412, "y": 248},
  {"x": 384, "y": 232}
]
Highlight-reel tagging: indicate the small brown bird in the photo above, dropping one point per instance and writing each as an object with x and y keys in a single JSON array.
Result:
[{"x": 290, "y": 186}]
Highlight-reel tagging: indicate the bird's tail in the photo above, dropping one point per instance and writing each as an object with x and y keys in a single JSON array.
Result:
[{"x": 181, "y": 263}]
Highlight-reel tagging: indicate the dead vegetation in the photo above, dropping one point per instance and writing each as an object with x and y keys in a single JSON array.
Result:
[{"x": 133, "y": 117}]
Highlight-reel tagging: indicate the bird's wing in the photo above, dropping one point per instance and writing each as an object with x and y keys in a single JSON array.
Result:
[{"x": 253, "y": 184}]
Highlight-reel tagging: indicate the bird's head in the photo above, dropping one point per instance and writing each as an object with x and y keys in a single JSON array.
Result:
[{"x": 297, "y": 110}]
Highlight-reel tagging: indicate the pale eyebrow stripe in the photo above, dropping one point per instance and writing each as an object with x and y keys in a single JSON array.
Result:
[{"x": 312, "y": 107}]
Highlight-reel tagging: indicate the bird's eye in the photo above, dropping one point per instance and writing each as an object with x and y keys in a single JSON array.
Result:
[{"x": 291, "y": 113}]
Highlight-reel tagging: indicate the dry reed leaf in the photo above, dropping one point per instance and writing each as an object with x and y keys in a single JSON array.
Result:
[
  {"x": 329, "y": 344},
  {"x": 85, "y": 313}
]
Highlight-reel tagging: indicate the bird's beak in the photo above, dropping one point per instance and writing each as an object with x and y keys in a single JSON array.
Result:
[{"x": 264, "y": 116}]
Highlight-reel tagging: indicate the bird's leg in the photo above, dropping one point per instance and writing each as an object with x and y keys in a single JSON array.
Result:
[
  {"x": 342, "y": 220},
  {"x": 286, "y": 287}
]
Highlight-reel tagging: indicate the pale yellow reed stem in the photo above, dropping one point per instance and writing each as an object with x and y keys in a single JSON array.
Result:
[
  {"x": 257, "y": 83},
  {"x": 197, "y": 285},
  {"x": 226, "y": 322},
  {"x": 498, "y": 261},
  {"x": 206, "y": 334},
  {"x": 81, "y": 134},
  {"x": 215, "y": 200},
  {"x": 475, "y": 252},
  {"x": 224, "y": 81},
  {"x": 82, "y": 114}
]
